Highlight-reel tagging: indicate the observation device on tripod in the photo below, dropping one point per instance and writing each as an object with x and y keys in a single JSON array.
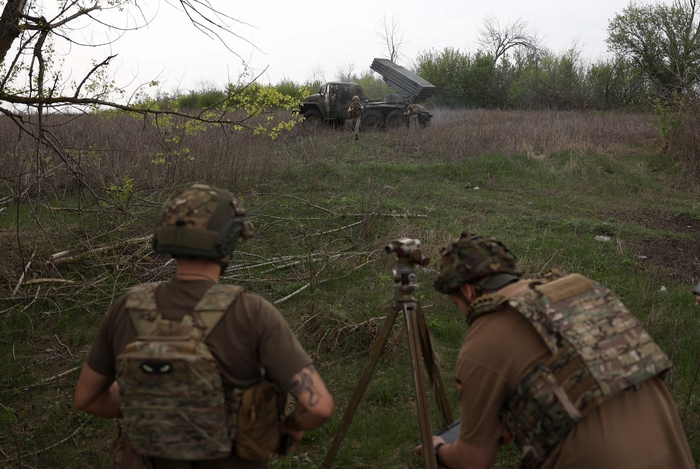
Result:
[{"x": 408, "y": 255}]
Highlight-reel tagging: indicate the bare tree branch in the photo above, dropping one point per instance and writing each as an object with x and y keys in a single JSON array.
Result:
[
  {"x": 498, "y": 40},
  {"x": 391, "y": 35}
]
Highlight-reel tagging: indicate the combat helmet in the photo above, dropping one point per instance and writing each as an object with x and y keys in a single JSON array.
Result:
[
  {"x": 201, "y": 221},
  {"x": 482, "y": 261},
  {"x": 355, "y": 98}
]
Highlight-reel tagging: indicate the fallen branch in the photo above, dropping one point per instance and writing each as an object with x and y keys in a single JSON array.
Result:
[
  {"x": 275, "y": 261},
  {"x": 48, "y": 280},
  {"x": 291, "y": 294},
  {"x": 45, "y": 449},
  {"x": 393, "y": 215},
  {"x": 318, "y": 283},
  {"x": 65, "y": 257},
  {"x": 51, "y": 378},
  {"x": 321, "y": 233},
  {"x": 280, "y": 267},
  {"x": 77, "y": 210},
  {"x": 26, "y": 268},
  {"x": 300, "y": 200}
]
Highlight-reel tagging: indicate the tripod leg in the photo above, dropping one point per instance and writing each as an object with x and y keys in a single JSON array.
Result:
[
  {"x": 414, "y": 345},
  {"x": 433, "y": 370},
  {"x": 361, "y": 386}
]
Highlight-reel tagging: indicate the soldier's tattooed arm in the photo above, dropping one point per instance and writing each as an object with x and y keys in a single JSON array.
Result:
[
  {"x": 303, "y": 382},
  {"x": 314, "y": 402}
]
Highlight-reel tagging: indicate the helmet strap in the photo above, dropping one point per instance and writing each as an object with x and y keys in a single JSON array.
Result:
[{"x": 223, "y": 264}]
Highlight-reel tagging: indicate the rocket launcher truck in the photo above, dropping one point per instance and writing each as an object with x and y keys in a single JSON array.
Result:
[{"x": 331, "y": 102}]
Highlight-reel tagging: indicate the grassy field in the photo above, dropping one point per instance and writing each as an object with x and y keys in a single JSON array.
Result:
[{"x": 324, "y": 207}]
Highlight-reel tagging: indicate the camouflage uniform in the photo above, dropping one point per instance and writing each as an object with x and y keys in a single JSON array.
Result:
[
  {"x": 413, "y": 112},
  {"x": 554, "y": 360},
  {"x": 355, "y": 115}
]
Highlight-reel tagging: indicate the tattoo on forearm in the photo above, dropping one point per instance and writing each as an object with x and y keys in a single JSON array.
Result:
[{"x": 303, "y": 382}]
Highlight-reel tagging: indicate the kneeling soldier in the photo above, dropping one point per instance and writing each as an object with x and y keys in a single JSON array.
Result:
[{"x": 558, "y": 364}]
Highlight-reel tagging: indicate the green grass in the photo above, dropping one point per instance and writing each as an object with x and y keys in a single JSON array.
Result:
[{"x": 547, "y": 209}]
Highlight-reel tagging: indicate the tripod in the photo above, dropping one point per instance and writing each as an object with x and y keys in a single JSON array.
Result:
[{"x": 408, "y": 255}]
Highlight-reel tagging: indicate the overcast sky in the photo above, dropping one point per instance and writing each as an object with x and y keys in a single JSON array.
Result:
[{"x": 304, "y": 40}]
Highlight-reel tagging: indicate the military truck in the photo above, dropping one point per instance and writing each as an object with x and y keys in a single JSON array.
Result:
[{"x": 331, "y": 103}]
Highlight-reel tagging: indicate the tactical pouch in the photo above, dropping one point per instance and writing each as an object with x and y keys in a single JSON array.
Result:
[
  {"x": 258, "y": 422},
  {"x": 123, "y": 456},
  {"x": 538, "y": 415}
]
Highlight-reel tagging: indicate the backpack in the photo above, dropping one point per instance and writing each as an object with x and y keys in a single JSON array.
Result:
[{"x": 170, "y": 386}]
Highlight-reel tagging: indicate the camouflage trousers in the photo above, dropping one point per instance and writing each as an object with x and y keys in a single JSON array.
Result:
[
  {"x": 413, "y": 122},
  {"x": 355, "y": 125}
]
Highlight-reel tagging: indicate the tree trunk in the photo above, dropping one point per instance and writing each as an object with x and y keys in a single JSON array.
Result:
[{"x": 9, "y": 25}]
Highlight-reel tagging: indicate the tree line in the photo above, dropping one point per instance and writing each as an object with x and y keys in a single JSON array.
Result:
[{"x": 655, "y": 60}]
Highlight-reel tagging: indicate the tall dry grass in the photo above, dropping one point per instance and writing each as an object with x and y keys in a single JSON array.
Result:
[
  {"x": 468, "y": 133},
  {"x": 98, "y": 151},
  {"x": 109, "y": 168},
  {"x": 683, "y": 138}
]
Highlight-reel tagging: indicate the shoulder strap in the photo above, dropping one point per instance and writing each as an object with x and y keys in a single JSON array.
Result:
[
  {"x": 142, "y": 307},
  {"x": 565, "y": 287},
  {"x": 484, "y": 305},
  {"x": 214, "y": 304}
]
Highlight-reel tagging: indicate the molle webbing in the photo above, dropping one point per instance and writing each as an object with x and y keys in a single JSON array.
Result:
[
  {"x": 599, "y": 349},
  {"x": 143, "y": 310},
  {"x": 170, "y": 386}
]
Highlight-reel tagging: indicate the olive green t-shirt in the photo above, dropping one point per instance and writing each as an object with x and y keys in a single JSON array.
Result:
[
  {"x": 634, "y": 429},
  {"x": 251, "y": 335}
]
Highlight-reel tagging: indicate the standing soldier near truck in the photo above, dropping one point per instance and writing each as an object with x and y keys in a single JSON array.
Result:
[
  {"x": 414, "y": 111},
  {"x": 355, "y": 115}
]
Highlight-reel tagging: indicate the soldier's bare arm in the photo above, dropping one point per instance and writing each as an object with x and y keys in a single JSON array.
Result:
[
  {"x": 95, "y": 394},
  {"x": 314, "y": 402}
]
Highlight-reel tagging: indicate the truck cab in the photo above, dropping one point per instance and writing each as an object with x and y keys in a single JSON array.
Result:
[{"x": 331, "y": 102}]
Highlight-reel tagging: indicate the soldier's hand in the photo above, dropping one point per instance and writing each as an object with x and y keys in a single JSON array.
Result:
[
  {"x": 292, "y": 438},
  {"x": 436, "y": 439}
]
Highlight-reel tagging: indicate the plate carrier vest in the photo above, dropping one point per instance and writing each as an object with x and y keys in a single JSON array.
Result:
[
  {"x": 170, "y": 386},
  {"x": 598, "y": 350}
]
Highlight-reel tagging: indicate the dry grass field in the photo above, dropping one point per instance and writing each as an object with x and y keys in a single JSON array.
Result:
[{"x": 75, "y": 228}]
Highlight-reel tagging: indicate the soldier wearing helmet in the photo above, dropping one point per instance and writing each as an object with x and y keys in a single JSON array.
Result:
[
  {"x": 355, "y": 112},
  {"x": 556, "y": 364},
  {"x": 414, "y": 113},
  {"x": 184, "y": 361}
]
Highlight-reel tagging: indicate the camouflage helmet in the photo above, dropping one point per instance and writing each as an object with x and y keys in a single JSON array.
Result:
[
  {"x": 355, "y": 98},
  {"x": 201, "y": 221},
  {"x": 476, "y": 259}
]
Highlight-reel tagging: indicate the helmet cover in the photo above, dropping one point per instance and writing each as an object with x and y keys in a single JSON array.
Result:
[
  {"x": 201, "y": 221},
  {"x": 472, "y": 258}
]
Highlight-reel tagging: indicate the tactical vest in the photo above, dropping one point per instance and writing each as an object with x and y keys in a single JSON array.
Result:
[
  {"x": 170, "y": 386},
  {"x": 598, "y": 350}
]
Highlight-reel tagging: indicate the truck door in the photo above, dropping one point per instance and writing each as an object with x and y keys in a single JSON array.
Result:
[
  {"x": 326, "y": 96},
  {"x": 333, "y": 101}
]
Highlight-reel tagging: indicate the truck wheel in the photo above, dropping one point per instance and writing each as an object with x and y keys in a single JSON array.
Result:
[
  {"x": 371, "y": 120},
  {"x": 313, "y": 118},
  {"x": 395, "y": 119}
]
